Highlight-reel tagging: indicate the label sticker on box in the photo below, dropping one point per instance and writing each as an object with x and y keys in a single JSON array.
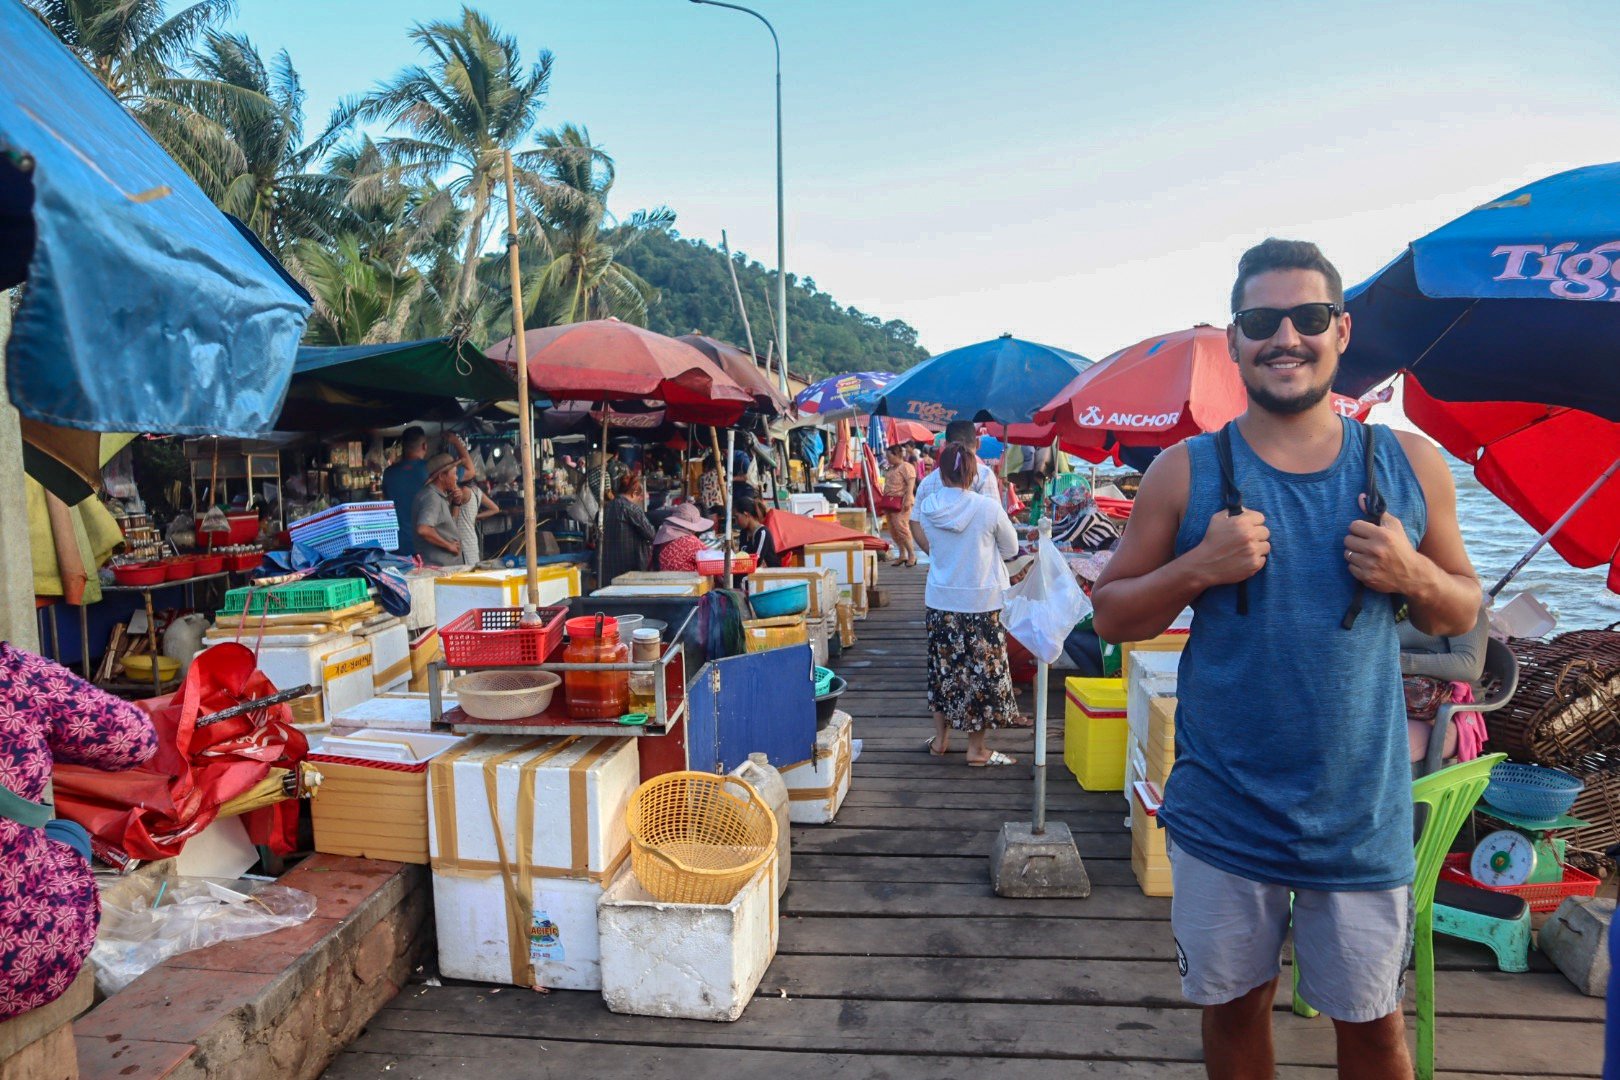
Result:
[{"x": 545, "y": 939}]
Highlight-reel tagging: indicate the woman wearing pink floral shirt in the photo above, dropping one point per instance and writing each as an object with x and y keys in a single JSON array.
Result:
[{"x": 49, "y": 907}]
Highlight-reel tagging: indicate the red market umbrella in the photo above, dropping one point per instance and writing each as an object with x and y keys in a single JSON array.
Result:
[
  {"x": 904, "y": 431},
  {"x": 1550, "y": 464},
  {"x": 1156, "y": 393},
  {"x": 744, "y": 371},
  {"x": 609, "y": 360}
]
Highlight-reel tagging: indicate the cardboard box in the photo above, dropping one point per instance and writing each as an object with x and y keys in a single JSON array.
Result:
[
  {"x": 849, "y": 564},
  {"x": 816, "y": 787},
  {"x": 853, "y": 517},
  {"x": 694, "y": 961},
  {"x": 370, "y": 807},
  {"x": 823, "y": 586},
  {"x": 777, "y": 633},
  {"x": 846, "y": 624},
  {"x": 558, "y": 811}
]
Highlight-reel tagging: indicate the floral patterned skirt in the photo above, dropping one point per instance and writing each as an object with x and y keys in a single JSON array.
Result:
[{"x": 968, "y": 677}]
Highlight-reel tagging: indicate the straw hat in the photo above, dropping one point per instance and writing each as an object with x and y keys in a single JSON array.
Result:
[
  {"x": 685, "y": 520},
  {"x": 438, "y": 463}
]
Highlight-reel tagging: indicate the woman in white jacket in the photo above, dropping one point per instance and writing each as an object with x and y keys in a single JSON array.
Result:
[{"x": 968, "y": 537}]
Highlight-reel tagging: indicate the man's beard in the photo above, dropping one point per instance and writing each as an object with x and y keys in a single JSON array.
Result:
[{"x": 1288, "y": 406}]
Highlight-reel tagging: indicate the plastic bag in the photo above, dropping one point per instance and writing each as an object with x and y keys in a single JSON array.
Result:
[
  {"x": 165, "y": 916},
  {"x": 1041, "y": 610}
]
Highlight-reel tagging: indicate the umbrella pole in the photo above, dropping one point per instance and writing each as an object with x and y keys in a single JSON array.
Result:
[
  {"x": 731, "y": 448},
  {"x": 747, "y": 329},
  {"x": 531, "y": 597},
  {"x": 601, "y": 505},
  {"x": 1552, "y": 529}
]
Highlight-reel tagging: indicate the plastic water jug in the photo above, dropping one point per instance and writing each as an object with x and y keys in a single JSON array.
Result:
[{"x": 758, "y": 771}]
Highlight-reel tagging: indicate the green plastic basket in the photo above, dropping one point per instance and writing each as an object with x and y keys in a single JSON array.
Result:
[
  {"x": 824, "y": 679},
  {"x": 327, "y": 594}
]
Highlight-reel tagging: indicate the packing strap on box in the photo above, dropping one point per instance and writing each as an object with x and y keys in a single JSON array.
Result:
[
  {"x": 394, "y": 672},
  {"x": 840, "y": 776},
  {"x": 519, "y": 875}
]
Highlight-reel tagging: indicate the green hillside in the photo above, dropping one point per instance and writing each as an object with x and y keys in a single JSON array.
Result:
[{"x": 823, "y": 338}]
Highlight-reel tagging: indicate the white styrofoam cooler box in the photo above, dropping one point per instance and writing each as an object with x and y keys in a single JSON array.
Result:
[
  {"x": 693, "y": 961},
  {"x": 456, "y": 594},
  {"x": 816, "y": 788},
  {"x": 338, "y": 664},
  {"x": 422, "y": 593},
  {"x": 1152, "y": 674},
  {"x": 820, "y": 631},
  {"x": 578, "y": 839},
  {"x": 396, "y": 711},
  {"x": 390, "y": 653},
  {"x": 809, "y": 504}
]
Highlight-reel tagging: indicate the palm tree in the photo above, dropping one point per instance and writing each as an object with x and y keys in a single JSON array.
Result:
[
  {"x": 472, "y": 101},
  {"x": 577, "y": 241},
  {"x": 265, "y": 178},
  {"x": 359, "y": 297}
]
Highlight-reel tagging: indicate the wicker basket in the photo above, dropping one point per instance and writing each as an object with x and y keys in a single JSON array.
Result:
[
  {"x": 1568, "y": 701},
  {"x": 505, "y": 695},
  {"x": 694, "y": 842},
  {"x": 1598, "y": 804}
]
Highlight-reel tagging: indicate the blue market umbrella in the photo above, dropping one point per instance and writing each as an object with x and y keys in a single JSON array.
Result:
[
  {"x": 841, "y": 395},
  {"x": 1002, "y": 381},
  {"x": 146, "y": 308},
  {"x": 1513, "y": 301}
]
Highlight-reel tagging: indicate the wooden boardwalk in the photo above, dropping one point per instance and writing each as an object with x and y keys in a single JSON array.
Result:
[{"x": 898, "y": 961}]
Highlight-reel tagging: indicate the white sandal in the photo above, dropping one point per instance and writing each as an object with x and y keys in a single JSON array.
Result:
[{"x": 996, "y": 758}]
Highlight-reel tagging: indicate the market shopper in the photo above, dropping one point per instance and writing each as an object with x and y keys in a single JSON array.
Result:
[
  {"x": 676, "y": 545},
  {"x": 968, "y": 536},
  {"x": 433, "y": 515},
  {"x": 403, "y": 481},
  {"x": 755, "y": 537},
  {"x": 963, "y": 433},
  {"x": 899, "y": 495},
  {"x": 1291, "y": 777},
  {"x": 472, "y": 504},
  {"x": 49, "y": 902},
  {"x": 626, "y": 533}
]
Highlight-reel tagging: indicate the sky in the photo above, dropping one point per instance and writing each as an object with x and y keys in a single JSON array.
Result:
[{"x": 1083, "y": 174}]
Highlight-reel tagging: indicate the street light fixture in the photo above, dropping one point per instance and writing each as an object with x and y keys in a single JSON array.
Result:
[{"x": 781, "y": 244}]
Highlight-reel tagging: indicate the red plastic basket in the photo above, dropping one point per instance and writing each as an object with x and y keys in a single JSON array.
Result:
[
  {"x": 1543, "y": 897},
  {"x": 493, "y": 637},
  {"x": 713, "y": 563}
]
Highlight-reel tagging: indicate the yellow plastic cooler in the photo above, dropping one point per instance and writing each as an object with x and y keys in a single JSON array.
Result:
[{"x": 1095, "y": 732}]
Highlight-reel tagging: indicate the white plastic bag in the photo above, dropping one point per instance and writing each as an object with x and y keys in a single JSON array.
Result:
[{"x": 1041, "y": 610}]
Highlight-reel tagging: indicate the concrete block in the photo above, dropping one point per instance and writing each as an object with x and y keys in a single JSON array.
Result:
[
  {"x": 1576, "y": 938},
  {"x": 693, "y": 961},
  {"x": 1026, "y": 866}
]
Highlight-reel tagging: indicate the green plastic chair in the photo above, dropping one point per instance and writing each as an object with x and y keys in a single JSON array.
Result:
[{"x": 1450, "y": 795}]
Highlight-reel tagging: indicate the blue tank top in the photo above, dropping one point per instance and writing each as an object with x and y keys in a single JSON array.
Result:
[{"x": 1291, "y": 750}]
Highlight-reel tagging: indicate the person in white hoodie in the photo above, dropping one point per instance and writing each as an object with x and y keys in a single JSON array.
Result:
[{"x": 968, "y": 537}]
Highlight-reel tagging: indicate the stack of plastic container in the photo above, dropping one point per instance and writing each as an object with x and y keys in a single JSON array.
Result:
[{"x": 352, "y": 525}]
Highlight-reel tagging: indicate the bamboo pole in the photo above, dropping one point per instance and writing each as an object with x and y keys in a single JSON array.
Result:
[
  {"x": 601, "y": 504},
  {"x": 531, "y": 598}
]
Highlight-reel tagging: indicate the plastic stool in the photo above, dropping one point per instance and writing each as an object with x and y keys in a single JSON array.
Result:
[{"x": 1496, "y": 920}]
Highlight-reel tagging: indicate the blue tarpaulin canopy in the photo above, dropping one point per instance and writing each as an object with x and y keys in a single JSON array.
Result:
[
  {"x": 146, "y": 308},
  {"x": 1513, "y": 301}
]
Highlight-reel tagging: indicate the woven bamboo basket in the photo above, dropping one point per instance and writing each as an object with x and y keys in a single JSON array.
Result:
[
  {"x": 1598, "y": 804},
  {"x": 1568, "y": 701},
  {"x": 694, "y": 842}
]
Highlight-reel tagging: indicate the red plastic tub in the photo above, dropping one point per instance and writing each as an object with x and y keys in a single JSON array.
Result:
[
  {"x": 181, "y": 568},
  {"x": 207, "y": 564},
  {"x": 140, "y": 574}
]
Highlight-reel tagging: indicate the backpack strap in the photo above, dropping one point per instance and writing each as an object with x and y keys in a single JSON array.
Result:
[
  {"x": 1376, "y": 506},
  {"x": 1232, "y": 497}
]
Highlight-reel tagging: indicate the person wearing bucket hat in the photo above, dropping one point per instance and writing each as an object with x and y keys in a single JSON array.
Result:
[
  {"x": 434, "y": 516},
  {"x": 676, "y": 545}
]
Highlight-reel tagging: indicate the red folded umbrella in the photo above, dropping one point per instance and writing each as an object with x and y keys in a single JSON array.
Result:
[
  {"x": 608, "y": 360},
  {"x": 901, "y": 431},
  {"x": 789, "y": 531},
  {"x": 1156, "y": 393},
  {"x": 1550, "y": 464}
]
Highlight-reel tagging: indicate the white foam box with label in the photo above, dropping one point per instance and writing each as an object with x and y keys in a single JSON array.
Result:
[
  {"x": 848, "y": 563},
  {"x": 456, "y": 594},
  {"x": 566, "y": 799},
  {"x": 692, "y": 961},
  {"x": 390, "y": 653},
  {"x": 817, "y": 787},
  {"x": 338, "y": 665}
]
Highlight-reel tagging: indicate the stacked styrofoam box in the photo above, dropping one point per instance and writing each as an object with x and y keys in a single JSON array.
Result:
[
  {"x": 816, "y": 788},
  {"x": 821, "y": 631},
  {"x": 390, "y": 653},
  {"x": 457, "y": 594},
  {"x": 848, "y": 563},
  {"x": 809, "y": 505},
  {"x": 421, "y": 615},
  {"x": 694, "y": 961},
  {"x": 577, "y": 842},
  {"x": 1150, "y": 674},
  {"x": 337, "y": 665}
]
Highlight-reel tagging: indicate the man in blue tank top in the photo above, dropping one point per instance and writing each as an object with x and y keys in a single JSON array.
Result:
[{"x": 1290, "y": 800}]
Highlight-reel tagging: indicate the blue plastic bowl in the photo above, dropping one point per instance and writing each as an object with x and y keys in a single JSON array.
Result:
[
  {"x": 1531, "y": 791},
  {"x": 788, "y": 600}
]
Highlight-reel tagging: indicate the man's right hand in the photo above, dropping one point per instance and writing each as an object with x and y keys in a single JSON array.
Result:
[{"x": 1234, "y": 549}]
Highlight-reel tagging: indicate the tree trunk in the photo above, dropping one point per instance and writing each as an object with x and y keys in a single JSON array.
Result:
[{"x": 468, "y": 276}]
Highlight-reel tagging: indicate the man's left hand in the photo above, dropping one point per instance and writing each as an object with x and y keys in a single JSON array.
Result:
[{"x": 1380, "y": 556}]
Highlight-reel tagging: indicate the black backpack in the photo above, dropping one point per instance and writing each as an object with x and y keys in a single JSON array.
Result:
[{"x": 1233, "y": 499}]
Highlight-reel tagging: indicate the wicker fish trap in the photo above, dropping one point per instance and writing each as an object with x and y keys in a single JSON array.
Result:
[{"x": 1568, "y": 700}]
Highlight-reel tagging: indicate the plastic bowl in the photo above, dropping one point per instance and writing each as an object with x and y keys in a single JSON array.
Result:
[
  {"x": 139, "y": 668},
  {"x": 787, "y": 600},
  {"x": 140, "y": 574},
  {"x": 827, "y": 704},
  {"x": 180, "y": 569},
  {"x": 505, "y": 695},
  {"x": 1531, "y": 791},
  {"x": 207, "y": 564}
]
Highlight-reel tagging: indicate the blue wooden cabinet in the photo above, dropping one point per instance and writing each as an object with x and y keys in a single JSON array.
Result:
[{"x": 760, "y": 702}]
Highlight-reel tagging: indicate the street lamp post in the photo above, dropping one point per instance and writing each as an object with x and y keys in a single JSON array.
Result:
[{"x": 781, "y": 243}]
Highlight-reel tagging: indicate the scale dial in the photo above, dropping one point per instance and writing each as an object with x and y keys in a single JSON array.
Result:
[{"x": 1503, "y": 858}]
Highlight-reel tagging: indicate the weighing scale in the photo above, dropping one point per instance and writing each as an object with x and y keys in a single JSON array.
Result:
[{"x": 1525, "y": 853}]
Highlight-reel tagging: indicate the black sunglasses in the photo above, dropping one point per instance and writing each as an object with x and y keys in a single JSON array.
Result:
[{"x": 1258, "y": 324}]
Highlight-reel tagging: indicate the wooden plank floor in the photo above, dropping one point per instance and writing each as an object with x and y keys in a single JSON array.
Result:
[{"x": 897, "y": 960}]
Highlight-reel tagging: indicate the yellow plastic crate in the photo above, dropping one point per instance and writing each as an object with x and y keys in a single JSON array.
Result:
[
  {"x": 1152, "y": 873},
  {"x": 1160, "y": 751},
  {"x": 1094, "y": 746}
]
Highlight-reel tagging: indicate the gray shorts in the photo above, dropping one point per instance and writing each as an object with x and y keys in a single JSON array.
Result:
[{"x": 1352, "y": 948}]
